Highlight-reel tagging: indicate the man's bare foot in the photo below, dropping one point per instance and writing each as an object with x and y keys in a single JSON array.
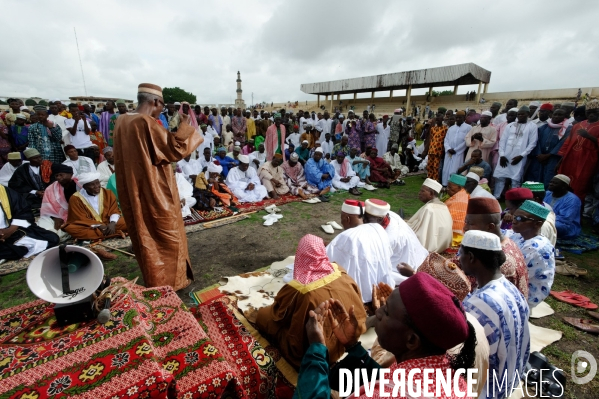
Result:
[
  {"x": 300, "y": 192},
  {"x": 325, "y": 191}
]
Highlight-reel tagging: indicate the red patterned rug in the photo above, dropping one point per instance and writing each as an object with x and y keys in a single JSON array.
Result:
[
  {"x": 258, "y": 206},
  {"x": 260, "y": 367},
  {"x": 207, "y": 216},
  {"x": 152, "y": 347}
]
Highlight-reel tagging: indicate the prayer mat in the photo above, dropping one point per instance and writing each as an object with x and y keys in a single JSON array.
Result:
[
  {"x": 205, "y": 294},
  {"x": 206, "y": 216},
  {"x": 121, "y": 243},
  {"x": 580, "y": 244},
  {"x": 152, "y": 347},
  {"x": 541, "y": 310},
  {"x": 258, "y": 206},
  {"x": 260, "y": 367}
]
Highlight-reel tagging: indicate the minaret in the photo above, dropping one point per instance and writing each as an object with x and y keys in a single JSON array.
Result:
[{"x": 239, "y": 101}]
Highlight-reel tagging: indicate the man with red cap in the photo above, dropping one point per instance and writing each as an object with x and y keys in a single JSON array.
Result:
[
  {"x": 405, "y": 247},
  {"x": 352, "y": 213},
  {"x": 513, "y": 199},
  {"x": 545, "y": 112},
  {"x": 407, "y": 326},
  {"x": 315, "y": 278}
]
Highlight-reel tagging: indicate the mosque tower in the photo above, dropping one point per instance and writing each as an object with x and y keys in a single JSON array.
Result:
[{"x": 239, "y": 101}]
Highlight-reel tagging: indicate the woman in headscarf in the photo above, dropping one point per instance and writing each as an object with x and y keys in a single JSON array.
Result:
[{"x": 186, "y": 109}]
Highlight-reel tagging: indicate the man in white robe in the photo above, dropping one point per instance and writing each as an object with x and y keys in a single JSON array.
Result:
[
  {"x": 190, "y": 168},
  {"x": 206, "y": 159},
  {"x": 405, "y": 247},
  {"x": 327, "y": 146},
  {"x": 394, "y": 160},
  {"x": 432, "y": 224},
  {"x": 79, "y": 163},
  {"x": 455, "y": 146},
  {"x": 345, "y": 177},
  {"x": 14, "y": 161},
  {"x": 365, "y": 253},
  {"x": 517, "y": 141},
  {"x": 209, "y": 134},
  {"x": 258, "y": 158},
  {"x": 244, "y": 182},
  {"x": 382, "y": 138},
  {"x": 106, "y": 167},
  {"x": 185, "y": 193},
  {"x": 474, "y": 189}
]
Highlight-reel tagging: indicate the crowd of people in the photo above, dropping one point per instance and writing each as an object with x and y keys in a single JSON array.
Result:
[{"x": 461, "y": 264}]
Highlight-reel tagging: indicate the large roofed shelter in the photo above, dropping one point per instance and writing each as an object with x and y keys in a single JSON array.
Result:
[{"x": 453, "y": 75}]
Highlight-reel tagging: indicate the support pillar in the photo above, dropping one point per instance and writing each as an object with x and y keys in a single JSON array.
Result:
[
  {"x": 408, "y": 100},
  {"x": 391, "y": 94},
  {"x": 355, "y": 94},
  {"x": 485, "y": 88},
  {"x": 477, "y": 98},
  {"x": 430, "y": 91},
  {"x": 455, "y": 90},
  {"x": 372, "y": 95},
  {"x": 338, "y": 96},
  {"x": 332, "y": 102},
  {"x": 318, "y": 100}
]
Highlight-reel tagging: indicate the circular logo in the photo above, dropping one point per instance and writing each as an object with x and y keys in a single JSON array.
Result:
[{"x": 583, "y": 361}]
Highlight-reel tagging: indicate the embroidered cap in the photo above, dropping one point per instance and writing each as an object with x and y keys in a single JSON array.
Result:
[
  {"x": 481, "y": 240},
  {"x": 534, "y": 208}
]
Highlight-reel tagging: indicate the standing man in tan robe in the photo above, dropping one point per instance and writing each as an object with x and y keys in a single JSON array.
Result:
[{"x": 143, "y": 152}]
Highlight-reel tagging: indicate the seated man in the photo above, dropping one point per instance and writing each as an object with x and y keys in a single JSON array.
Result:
[
  {"x": 319, "y": 172},
  {"x": 360, "y": 165},
  {"x": 226, "y": 162},
  {"x": 106, "y": 167},
  {"x": 405, "y": 247},
  {"x": 457, "y": 205},
  {"x": 345, "y": 178},
  {"x": 308, "y": 136},
  {"x": 538, "y": 193},
  {"x": 432, "y": 223},
  {"x": 185, "y": 192},
  {"x": 365, "y": 253},
  {"x": 55, "y": 204},
  {"x": 394, "y": 160},
  {"x": 314, "y": 279},
  {"x": 272, "y": 177},
  {"x": 296, "y": 179},
  {"x": 234, "y": 154},
  {"x": 206, "y": 158},
  {"x": 474, "y": 189},
  {"x": 212, "y": 191},
  {"x": 514, "y": 198},
  {"x": 93, "y": 212},
  {"x": 79, "y": 163},
  {"x": 566, "y": 206},
  {"x": 500, "y": 308},
  {"x": 14, "y": 161},
  {"x": 476, "y": 159},
  {"x": 190, "y": 168},
  {"x": 407, "y": 326},
  {"x": 21, "y": 237},
  {"x": 257, "y": 158},
  {"x": 244, "y": 182},
  {"x": 537, "y": 250},
  {"x": 303, "y": 152},
  {"x": 484, "y": 214},
  {"x": 31, "y": 179},
  {"x": 380, "y": 171},
  {"x": 352, "y": 214}
]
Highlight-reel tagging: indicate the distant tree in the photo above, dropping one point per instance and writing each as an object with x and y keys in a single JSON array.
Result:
[
  {"x": 442, "y": 93},
  {"x": 3, "y": 102},
  {"x": 43, "y": 102},
  {"x": 30, "y": 102},
  {"x": 172, "y": 94}
]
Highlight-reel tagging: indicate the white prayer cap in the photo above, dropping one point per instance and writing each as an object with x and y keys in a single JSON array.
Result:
[
  {"x": 237, "y": 143},
  {"x": 487, "y": 113},
  {"x": 89, "y": 177},
  {"x": 353, "y": 207},
  {"x": 243, "y": 159},
  {"x": 515, "y": 109},
  {"x": 398, "y": 111},
  {"x": 377, "y": 207},
  {"x": 20, "y": 116},
  {"x": 433, "y": 185},
  {"x": 306, "y": 142},
  {"x": 481, "y": 240},
  {"x": 563, "y": 178},
  {"x": 177, "y": 103},
  {"x": 534, "y": 104},
  {"x": 319, "y": 149},
  {"x": 294, "y": 157},
  {"x": 341, "y": 116},
  {"x": 473, "y": 175},
  {"x": 213, "y": 168},
  {"x": 24, "y": 107}
]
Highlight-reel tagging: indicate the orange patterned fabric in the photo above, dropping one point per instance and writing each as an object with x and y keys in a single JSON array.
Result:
[
  {"x": 457, "y": 205},
  {"x": 437, "y": 138}
]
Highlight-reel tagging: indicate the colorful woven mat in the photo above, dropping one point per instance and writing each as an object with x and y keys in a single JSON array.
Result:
[
  {"x": 580, "y": 244},
  {"x": 260, "y": 367},
  {"x": 258, "y": 206},
  {"x": 152, "y": 347}
]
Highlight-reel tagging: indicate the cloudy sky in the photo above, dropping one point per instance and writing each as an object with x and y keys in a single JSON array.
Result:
[{"x": 277, "y": 45}]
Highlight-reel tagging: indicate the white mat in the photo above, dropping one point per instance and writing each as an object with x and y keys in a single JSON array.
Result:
[{"x": 541, "y": 310}]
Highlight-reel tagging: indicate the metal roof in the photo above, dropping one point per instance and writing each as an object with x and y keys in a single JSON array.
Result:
[{"x": 461, "y": 74}]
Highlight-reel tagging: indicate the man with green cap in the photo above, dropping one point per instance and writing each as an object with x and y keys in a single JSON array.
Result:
[
  {"x": 549, "y": 229},
  {"x": 457, "y": 205},
  {"x": 275, "y": 138},
  {"x": 537, "y": 250}
]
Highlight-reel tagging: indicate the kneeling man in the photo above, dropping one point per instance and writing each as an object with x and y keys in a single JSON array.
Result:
[{"x": 93, "y": 211}]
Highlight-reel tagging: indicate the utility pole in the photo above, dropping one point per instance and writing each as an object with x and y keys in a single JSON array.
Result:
[
  {"x": 252, "y": 99},
  {"x": 80, "y": 64}
]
